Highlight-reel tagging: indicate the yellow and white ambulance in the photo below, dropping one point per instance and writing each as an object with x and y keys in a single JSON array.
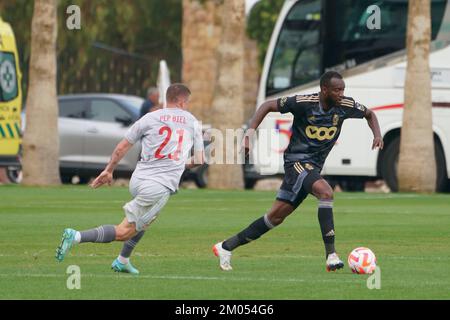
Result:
[{"x": 10, "y": 98}]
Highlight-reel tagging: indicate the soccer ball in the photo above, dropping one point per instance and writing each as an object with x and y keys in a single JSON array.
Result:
[{"x": 362, "y": 261}]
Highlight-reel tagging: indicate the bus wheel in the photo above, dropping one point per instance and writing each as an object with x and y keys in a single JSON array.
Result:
[
  {"x": 352, "y": 184},
  {"x": 249, "y": 183},
  {"x": 83, "y": 179},
  {"x": 66, "y": 178},
  {"x": 390, "y": 163}
]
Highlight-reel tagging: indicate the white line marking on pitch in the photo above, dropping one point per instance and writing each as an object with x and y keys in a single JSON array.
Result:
[
  {"x": 174, "y": 277},
  {"x": 356, "y": 280}
]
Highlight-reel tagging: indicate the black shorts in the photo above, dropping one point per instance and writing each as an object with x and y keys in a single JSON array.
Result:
[{"x": 297, "y": 182}]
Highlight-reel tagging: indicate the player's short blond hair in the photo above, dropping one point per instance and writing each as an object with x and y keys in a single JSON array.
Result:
[{"x": 176, "y": 91}]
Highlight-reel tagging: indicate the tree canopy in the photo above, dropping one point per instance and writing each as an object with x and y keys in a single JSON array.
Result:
[
  {"x": 118, "y": 40},
  {"x": 261, "y": 21}
]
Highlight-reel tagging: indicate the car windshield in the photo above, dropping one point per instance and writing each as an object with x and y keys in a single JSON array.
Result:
[{"x": 133, "y": 104}]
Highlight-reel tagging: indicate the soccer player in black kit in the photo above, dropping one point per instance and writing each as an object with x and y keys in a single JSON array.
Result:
[{"x": 317, "y": 124}]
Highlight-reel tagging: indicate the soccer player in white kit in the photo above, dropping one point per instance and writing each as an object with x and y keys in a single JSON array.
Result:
[{"x": 167, "y": 137}]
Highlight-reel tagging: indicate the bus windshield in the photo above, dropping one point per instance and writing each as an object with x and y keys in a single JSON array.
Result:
[
  {"x": 296, "y": 58},
  {"x": 321, "y": 35}
]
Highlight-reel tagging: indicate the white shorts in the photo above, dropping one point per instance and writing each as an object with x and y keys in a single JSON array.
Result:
[{"x": 149, "y": 198}]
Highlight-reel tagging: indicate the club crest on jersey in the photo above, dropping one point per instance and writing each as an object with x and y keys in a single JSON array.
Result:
[
  {"x": 283, "y": 101},
  {"x": 309, "y": 167},
  {"x": 335, "y": 120}
]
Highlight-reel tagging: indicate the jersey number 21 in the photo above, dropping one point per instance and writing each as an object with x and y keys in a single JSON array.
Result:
[{"x": 176, "y": 155}]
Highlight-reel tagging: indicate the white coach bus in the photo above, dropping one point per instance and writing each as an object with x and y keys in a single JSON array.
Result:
[{"x": 313, "y": 36}]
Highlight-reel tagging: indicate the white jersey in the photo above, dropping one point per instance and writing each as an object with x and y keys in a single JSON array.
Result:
[{"x": 167, "y": 136}]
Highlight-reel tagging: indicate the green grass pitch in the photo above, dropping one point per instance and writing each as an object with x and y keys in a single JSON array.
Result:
[{"x": 410, "y": 234}]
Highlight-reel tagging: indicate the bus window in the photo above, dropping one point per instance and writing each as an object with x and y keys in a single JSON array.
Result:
[
  {"x": 317, "y": 36},
  {"x": 350, "y": 42},
  {"x": 296, "y": 59}
]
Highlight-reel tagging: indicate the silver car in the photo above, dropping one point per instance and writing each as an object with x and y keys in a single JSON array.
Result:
[{"x": 90, "y": 126}]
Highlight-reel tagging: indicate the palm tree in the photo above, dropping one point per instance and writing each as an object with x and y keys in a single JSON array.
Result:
[
  {"x": 201, "y": 35},
  {"x": 417, "y": 163},
  {"x": 228, "y": 103},
  {"x": 41, "y": 142}
]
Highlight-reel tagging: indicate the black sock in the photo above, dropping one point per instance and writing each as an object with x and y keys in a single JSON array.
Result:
[
  {"x": 325, "y": 215},
  {"x": 252, "y": 232}
]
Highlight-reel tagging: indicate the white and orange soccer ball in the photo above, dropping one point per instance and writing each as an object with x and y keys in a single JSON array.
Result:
[{"x": 362, "y": 261}]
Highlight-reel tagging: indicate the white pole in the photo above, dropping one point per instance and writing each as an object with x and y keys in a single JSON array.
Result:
[{"x": 163, "y": 82}]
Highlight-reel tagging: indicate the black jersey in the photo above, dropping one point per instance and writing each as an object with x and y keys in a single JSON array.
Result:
[{"x": 315, "y": 131}]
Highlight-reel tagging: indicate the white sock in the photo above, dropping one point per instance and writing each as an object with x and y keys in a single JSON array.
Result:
[
  {"x": 123, "y": 260},
  {"x": 77, "y": 237}
]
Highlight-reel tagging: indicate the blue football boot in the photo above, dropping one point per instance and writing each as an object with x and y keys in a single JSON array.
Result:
[
  {"x": 67, "y": 241},
  {"x": 117, "y": 266}
]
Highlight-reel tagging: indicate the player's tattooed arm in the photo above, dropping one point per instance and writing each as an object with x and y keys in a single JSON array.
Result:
[
  {"x": 255, "y": 121},
  {"x": 119, "y": 152},
  {"x": 106, "y": 176},
  {"x": 372, "y": 121}
]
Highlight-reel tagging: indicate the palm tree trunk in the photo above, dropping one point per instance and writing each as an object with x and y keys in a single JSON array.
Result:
[
  {"x": 41, "y": 141},
  {"x": 201, "y": 36},
  {"x": 417, "y": 163},
  {"x": 228, "y": 102}
]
